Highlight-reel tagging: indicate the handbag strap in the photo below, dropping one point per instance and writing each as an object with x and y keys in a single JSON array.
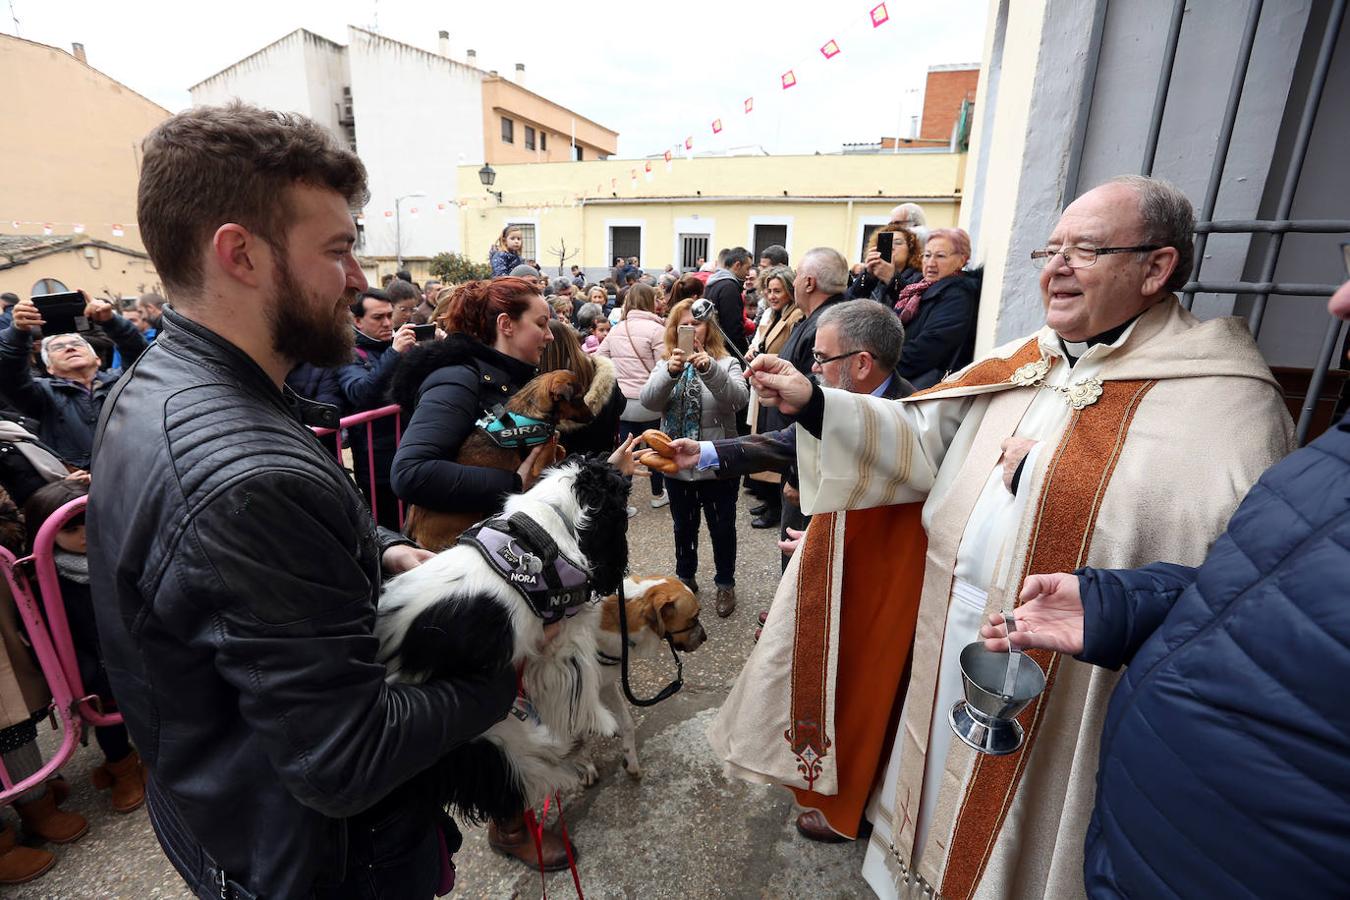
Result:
[{"x": 628, "y": 333}]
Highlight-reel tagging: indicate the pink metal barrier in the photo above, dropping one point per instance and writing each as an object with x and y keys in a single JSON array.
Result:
[
  {"x": 49, "y": 635},
  {"x": 368, "y": 419}
]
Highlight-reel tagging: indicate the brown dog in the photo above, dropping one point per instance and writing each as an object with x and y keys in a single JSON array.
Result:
[
  {"x": 656, "y": 607},
  {"x": 552, "y": 397}
]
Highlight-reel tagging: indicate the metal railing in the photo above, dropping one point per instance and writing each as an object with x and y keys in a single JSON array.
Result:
[
  {"x": 43, "y": 615},
  {"x": 1280, "y": 224},
  {"x": 368, "y": 419}
]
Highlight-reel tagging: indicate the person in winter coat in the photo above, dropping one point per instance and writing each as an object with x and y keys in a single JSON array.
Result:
[
  {"x": 1223, "y": 767},
  {"x": 939, "y": 311},
  {"x": 603, "y": 396},
  {"x": 724, "y": 290},
  {"x": 699, "y": 394},
  {"x": 505, "y": 254},
  {"x": 364, "y": 384},
  {"x": 882, "y": 279},
  {"x": 66, "y": 404},
  {"x": 497, "y": 332},
  {"x": 781, "y": 315},
  {"x": 637, "y": 345}
]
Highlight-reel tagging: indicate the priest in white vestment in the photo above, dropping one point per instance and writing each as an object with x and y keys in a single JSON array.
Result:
[{"x": 1122, "y": 432}]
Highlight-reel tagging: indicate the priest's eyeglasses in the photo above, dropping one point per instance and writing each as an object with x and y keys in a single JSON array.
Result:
[
  {"x": 821, "y": 359},
  {"x": 1082, "y": 257}
]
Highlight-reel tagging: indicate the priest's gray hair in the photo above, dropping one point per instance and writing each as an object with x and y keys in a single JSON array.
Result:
[
  {"x": 1167, "y": 219},
  {"x": 867, "y": 325},
  {"x": 828, "y": 267}
]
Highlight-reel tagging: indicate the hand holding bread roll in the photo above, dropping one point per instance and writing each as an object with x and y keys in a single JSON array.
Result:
[{"x": 658, "y": 441}]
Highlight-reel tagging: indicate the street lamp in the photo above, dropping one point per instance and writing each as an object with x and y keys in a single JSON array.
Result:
[
  {"x": 398, "y": 225},
  {"x": 488, "y": 175}
]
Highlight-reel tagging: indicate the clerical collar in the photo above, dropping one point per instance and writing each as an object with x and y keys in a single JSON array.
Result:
[{"x": 1074, "y": 350}]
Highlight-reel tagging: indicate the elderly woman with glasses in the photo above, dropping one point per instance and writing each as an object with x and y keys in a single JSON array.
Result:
[{"x": 939, "y": 310}]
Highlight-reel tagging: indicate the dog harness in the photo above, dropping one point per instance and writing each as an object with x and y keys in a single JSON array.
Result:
[
  {"x": 524, "y": 554},
  {"x": 513, "y": 430}
]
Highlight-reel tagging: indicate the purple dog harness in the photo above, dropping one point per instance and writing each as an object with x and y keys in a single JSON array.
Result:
[{"x": 526, "y": 556}]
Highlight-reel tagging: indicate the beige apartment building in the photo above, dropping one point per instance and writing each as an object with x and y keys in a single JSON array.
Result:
[{"x": 68, "y": 174}]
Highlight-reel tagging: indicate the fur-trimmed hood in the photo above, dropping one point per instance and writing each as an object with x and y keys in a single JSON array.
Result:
[
  {"x": 419, "y": 363},
  {"x": 598, "y": 395}
]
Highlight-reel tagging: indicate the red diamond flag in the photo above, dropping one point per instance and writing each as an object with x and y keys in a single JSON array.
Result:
[
  {"x": 667, "y": 156},
  {"x": 788, "y": 79},
  {"x": 717, "y": 126},
  {"x": 749, "y": 103},
  {"x": 879, "y": 14},
  {"x": 831, "y": 49},
  {"x": 47, "y": 228},
  {"x": 388, "y": 213},
  {"x": 648, "y": 166},
  {"x": 78, "y": 229},
  {"x": 118, "y": 231},
  {"x": 689, "y": 142}
]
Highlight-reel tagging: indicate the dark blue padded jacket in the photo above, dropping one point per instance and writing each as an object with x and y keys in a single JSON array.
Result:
[{"x": 1225, "y": 760}]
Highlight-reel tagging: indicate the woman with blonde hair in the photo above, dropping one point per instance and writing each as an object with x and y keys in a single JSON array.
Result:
[
  {"x": 781, "y": 315},
  {"x": 636, "y": 346},
  {"x": 698, "y": 392}
]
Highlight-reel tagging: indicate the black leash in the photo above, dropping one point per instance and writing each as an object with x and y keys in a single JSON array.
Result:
[{"x": 666, "y": 692}]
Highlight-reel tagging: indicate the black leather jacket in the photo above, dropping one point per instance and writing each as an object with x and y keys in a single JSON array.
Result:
[{"x": 235, "y": 591}]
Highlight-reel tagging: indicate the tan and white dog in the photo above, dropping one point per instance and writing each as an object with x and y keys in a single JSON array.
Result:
[{"x": 657, "y": 607}]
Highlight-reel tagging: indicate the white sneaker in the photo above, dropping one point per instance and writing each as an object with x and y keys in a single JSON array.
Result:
[
  {"x": 660, "y": 500},
  {"x": 632, "y": 511}
]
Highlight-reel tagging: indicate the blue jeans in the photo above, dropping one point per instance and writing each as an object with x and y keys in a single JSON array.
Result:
[
  {"x": 625, "y": 429},
  {"x": 717, "y": 500}
]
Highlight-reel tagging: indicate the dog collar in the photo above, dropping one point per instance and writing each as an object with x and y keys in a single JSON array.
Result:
[
  {"x": 529, "y": 560},
  {"x": 513, "y": 430}
]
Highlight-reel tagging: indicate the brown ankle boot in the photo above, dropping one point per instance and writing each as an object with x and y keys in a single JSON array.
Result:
[
  {"x": 513, "y": 839},
  {"x": 19, "y": 864},
  {"x": 42, "y": 818},
  {"x": 127, "y": 780}
]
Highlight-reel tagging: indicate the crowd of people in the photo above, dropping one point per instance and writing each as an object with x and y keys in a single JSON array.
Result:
[{"x": 918, "y": 493}]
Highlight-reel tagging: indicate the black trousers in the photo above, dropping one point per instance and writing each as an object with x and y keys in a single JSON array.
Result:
[{"x": 715, "y": 499}]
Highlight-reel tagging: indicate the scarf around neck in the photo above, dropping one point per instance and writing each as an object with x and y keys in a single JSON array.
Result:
[
  {"x": 910, "y": 295},
  {"x": 72, "y": 566},
  {"x": 684, "y": 412}
]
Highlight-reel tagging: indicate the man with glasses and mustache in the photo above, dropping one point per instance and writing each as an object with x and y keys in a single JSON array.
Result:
[
  {"x": 68, "y": 402},
  {"x": 1123, "y": 431}
]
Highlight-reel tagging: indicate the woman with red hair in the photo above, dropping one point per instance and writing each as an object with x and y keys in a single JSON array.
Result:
[{"x": 497, "y": 331}]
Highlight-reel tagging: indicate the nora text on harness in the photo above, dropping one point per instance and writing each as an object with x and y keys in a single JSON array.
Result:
[{"x": 529, "y": 559}]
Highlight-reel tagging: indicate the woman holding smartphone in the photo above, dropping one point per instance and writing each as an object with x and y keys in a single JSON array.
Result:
[{"x": 698, "y": 387}]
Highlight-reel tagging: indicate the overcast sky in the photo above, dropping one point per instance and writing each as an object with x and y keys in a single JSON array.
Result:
[{"x": 653, "y": 71}]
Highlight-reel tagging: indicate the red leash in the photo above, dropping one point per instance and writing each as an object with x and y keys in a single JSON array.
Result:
[{"x": 536, "y": 827}]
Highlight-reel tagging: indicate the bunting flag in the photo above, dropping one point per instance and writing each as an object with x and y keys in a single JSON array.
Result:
[
  {"x": 749, "y": 103},
  {"x": 412, "y": 213},
  {"x": 830, "y": 50},
  {"x": 388, "y": 213},
  {"x": 717, "y": 126},
  {"x": 689, "y": 142},
  {"x": 78, "y": 228},
  {"x": 16, "y": 224},
  {"x": 117, "y": 230},
  {"x": 879, "y": 14},
  {"x": 789, "y": 79},
  {"x": 440, "y": 208},
  {"x": 47, "y": 228}
]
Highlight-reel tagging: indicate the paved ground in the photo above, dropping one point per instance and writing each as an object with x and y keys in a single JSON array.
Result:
[{"x": 682, "y": 830}]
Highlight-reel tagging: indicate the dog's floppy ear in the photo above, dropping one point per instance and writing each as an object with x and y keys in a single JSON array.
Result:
[
  {"x": 562, "y": 387},
  {"x": 602, "y": 492}
]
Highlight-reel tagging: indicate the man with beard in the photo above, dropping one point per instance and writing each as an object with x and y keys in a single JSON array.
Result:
[{"x": 236, "y": 595}]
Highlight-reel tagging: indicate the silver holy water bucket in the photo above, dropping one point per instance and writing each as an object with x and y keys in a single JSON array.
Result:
[{"x": 997, "y": 686}]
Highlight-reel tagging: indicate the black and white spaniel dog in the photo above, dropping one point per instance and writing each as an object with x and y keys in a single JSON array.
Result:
[{"x": 486, "y": 600}]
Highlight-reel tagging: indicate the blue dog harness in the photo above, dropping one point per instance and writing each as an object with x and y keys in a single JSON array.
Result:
[
  {"x": 513, "y": 430},
  {"x": 526, "y": 556}
]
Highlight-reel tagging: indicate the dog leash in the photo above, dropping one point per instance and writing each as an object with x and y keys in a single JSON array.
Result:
[
  {"x": 536, "y": 827},
  {"x": 666, "y": 692}
]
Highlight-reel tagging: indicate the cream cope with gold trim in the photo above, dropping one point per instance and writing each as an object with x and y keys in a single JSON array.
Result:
[{"x": 1210, "y": 424}]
